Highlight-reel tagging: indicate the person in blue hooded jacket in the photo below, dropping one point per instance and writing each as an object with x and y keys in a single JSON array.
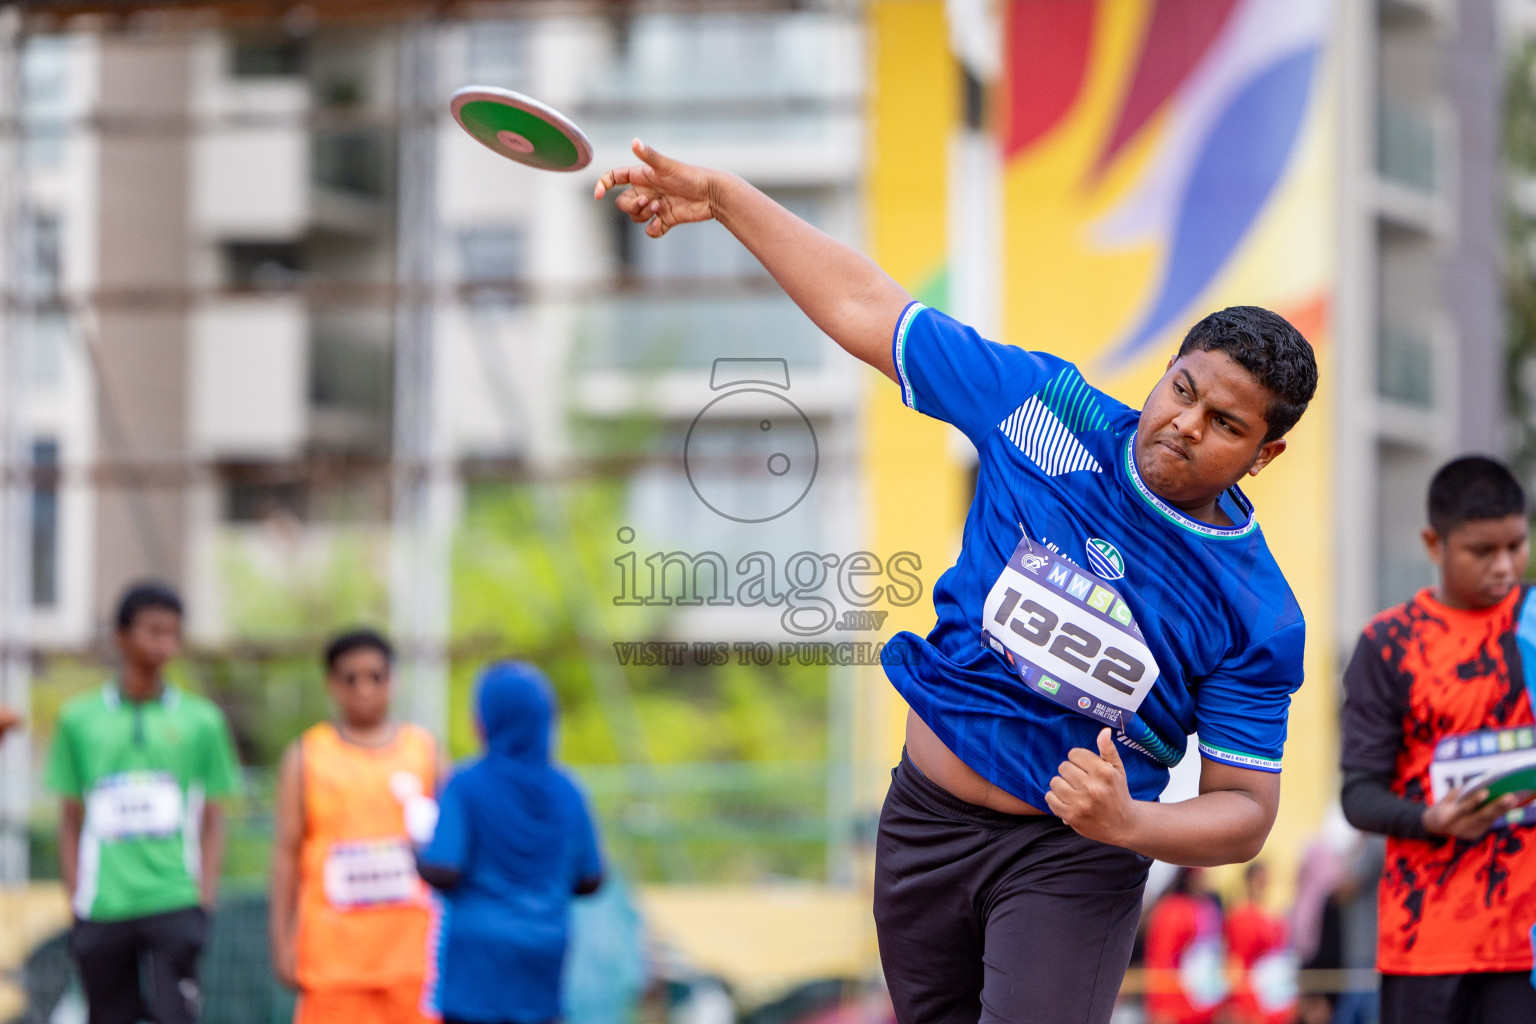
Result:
[{"x": 514, "y": 843}]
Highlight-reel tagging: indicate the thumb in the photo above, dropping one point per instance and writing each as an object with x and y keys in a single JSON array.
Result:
[{"x": 1108, "y": 751}]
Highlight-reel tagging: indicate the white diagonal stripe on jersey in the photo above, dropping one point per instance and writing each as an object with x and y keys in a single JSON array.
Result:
[{"x": 1046, "y": 441}]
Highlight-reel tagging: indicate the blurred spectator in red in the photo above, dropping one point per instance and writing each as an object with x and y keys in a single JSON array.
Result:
[
  {"x": 1258, "y": 951},
  {"x": 1186, "y": 978}
]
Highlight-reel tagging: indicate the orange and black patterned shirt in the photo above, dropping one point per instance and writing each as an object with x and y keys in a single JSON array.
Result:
[{"x": 1424, "y": 672}]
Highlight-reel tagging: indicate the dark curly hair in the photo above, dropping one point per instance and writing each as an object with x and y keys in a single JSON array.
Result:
[{"x": 1267, "y": 346}]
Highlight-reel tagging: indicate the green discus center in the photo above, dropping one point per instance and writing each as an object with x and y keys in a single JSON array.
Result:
[{"x": 551, "y": 148}]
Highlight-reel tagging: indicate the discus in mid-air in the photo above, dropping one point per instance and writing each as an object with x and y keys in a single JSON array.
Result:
[{"x": 521, "y": 128}]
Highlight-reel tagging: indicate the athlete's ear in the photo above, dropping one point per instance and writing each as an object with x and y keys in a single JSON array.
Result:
[
  {"x": 1269, "y": 451},
  {"x": 1434, "y": 545},
  {"x": 1171, "y": 360}
]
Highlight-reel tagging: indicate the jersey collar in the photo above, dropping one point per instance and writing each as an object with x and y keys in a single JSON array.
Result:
[
  {"x": 112, "y": 693},
  {"x": 1179, "y": 519}
]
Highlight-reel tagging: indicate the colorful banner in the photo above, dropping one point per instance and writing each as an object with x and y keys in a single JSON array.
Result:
[{"x": 1162, "y": 159}]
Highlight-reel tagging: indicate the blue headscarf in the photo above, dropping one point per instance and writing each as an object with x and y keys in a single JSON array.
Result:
[
  {"x": 517, "y": 711},
  {"x": 522, "y": 795}
]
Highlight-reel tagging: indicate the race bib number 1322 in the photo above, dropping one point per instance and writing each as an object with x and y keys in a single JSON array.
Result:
[{"x": 1068, "y": 635}]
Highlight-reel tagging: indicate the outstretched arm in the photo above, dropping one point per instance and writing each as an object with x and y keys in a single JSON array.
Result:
[{"x": 843, "y": 291}]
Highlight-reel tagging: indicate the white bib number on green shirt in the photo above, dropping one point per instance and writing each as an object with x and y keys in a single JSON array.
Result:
[{"x": 135, "y": 805}]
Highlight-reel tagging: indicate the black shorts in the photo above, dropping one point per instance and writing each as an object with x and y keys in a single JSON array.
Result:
[
  {"x": 984, "y": 916},
  {"x": 1495, "y": 998},
  {"x": 160, "y": 951}
]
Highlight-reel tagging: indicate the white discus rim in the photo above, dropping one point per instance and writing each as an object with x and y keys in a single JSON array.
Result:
[{"x": 543, "y": 111}]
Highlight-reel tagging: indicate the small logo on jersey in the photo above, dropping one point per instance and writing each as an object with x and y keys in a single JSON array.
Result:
[
  {"x": 1084, "y": 703},
  {"x": 1104, "y": 558},
  {"x": 1049, "y": 685},
  {"x": 1109, "y": 714},
  {"x": 1033, "y": 562}
]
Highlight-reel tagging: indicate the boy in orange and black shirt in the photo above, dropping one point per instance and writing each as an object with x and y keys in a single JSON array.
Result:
[{"x": 1432, "y": 681}]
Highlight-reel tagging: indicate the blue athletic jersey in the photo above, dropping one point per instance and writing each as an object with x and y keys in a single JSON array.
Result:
[{"x": 1056, "y": 463}]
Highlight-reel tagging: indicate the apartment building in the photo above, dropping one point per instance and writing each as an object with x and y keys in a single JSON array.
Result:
[{"x": 1420, "y": 205}]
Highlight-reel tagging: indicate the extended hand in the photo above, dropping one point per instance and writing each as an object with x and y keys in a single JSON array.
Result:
[
  {"x": 1090, "y": 793},
  {"x": 664, "y": 191},
  {"x": 1464, "y": 815},
  {"x": 8, "y": 720}
]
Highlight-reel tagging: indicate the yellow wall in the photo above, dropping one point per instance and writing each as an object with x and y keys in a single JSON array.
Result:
[{"x": 916, "y": 492}]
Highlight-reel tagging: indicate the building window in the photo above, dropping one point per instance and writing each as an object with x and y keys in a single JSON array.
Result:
[
  {"x": 492, "y": 264},
  {"x": 500, "y": 54},
  {"x": 262, "y": 264},
  {"x": 45, "y": 99},
  {"x": 44, "y": 337},
  {"x": 351, "y": 160},
  {"x": 252, "y": 496},
  {"x": 266, "y": 58},
  {"x": 45, "y": 523},
  {"x": 42, "y": 264},
  {"x": 489, "y": 255}
]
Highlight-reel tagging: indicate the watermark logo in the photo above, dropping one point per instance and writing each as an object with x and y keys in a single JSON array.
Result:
[
  {"x": 817, "y": 591},
  {"x": 771, "y": 463}
]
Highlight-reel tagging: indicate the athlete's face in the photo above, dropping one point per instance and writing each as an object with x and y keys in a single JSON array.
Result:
[
  {"x": 360, "y": 686},
  {"x": 1481, "y": 560},
  {"x": 152, "y": 638},
  {"x": 1202, "y": 429}
]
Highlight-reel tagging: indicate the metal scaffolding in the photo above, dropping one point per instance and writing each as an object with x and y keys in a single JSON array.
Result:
[{"x": 417, "y": 467}]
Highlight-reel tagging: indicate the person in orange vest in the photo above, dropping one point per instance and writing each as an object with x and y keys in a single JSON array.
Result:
[
  {"x": 1258, "y": 950},
  {"x": 348, "y": 912}
]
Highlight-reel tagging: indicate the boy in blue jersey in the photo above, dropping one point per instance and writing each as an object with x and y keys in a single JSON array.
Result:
[{"x": 1113, "y": 595}]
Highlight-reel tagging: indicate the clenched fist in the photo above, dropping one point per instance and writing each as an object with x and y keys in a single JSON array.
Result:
[{"x": 1090, "y": 793}]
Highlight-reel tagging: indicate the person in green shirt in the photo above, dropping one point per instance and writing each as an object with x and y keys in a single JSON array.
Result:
[{"x": 141, "y": 767}]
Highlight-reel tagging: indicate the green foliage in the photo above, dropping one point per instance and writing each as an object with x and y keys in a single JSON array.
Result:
[
  {"x": 307, "y": 594},
  {"x": 534, "y": 578},
  {"x": 284, "y": 609}
]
